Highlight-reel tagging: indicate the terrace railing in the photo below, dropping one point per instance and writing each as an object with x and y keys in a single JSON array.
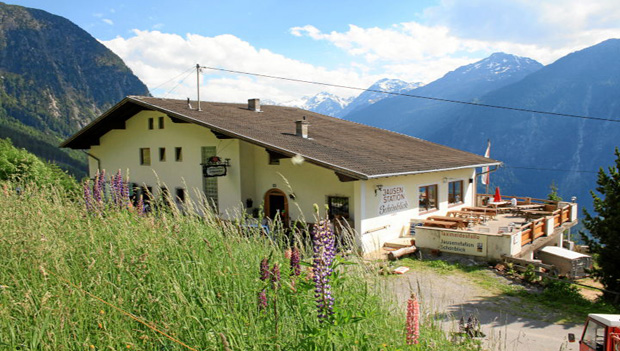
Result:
[{"x": 537, "y": 227}]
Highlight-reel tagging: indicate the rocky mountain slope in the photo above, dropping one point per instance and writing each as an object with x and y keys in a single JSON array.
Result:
[
  {"x": 536, "y": 148},
  {"x": 54, "y": 79},
  {"x": 416, "y": 116}
]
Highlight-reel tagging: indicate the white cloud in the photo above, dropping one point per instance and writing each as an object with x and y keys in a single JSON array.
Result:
[
  {"x": 460, "y": 32},
  {"x": 155, "y": 57},
  {"x": 108, "y": 21}
]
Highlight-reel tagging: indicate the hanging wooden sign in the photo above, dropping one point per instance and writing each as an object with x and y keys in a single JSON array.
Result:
[{"x": 214, "y": 167}]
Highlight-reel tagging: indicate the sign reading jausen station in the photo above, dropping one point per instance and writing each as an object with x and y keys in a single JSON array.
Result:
[
  {"x": 393, "y": 199},
  {"x": 463, "y": 243}
]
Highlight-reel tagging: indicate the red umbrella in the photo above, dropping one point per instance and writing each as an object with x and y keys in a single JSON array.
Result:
[{"x": 497, "y": 197}]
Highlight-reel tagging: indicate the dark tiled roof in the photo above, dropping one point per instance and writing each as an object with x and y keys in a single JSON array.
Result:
[{"x": 351, "y": 149}]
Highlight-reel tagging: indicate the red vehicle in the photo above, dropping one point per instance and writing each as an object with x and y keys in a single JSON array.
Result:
[{"x": 601, "y": 333}]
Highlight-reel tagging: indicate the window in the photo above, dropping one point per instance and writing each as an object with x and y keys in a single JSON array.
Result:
[
  {"x": 455, "y": 192},
  {"x": 273, "y": 160},
  {"x": 594, "y": 335},
  {"x": 160, "y": 123},
  {"x": 180, "y": 192},
  {"x": 178, "y": 154},
  {"x": 150, "y": 123},
  {"x": 209, "y": 184},
  {"x": 162, "y": 154},
  {"x": 338, "y": 207},
  {"x": 145, "y": 156},
  {"x": 428, "y": 197}
]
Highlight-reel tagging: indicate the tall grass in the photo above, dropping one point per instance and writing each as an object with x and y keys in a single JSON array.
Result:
[{"x": 189, "y": 276}]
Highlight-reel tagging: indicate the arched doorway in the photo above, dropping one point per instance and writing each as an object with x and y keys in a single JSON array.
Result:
[{"x": 276, "y": 202}]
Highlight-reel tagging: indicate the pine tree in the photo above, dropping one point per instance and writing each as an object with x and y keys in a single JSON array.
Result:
[
  {"x": 553, "y": 195},
  {"x": 604, "y": 227}
]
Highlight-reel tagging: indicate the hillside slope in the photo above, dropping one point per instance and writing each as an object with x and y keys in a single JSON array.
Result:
[{"x": 55, "y": 77}]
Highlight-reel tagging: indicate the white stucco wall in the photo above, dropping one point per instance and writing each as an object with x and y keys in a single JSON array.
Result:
[
  {"x": 311, "y": 184},
  {"x": 120, "y": 149},
  {"x": 376, "y": 228}
]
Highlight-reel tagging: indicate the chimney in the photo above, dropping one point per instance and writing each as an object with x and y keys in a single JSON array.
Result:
[
  {"x": 302, "y": 128},
  {"x": 254, "y": 105}
]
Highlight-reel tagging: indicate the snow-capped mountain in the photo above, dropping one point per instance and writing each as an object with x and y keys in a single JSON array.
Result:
[
  {"x": 373, "y": 94},
  {"x": 326, "y": 103},
  {"x": 498, "y": 66}
]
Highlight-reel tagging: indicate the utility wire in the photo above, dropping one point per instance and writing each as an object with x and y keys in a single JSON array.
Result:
[
  {"x": 415, "y": 96},
  {"x": 176, "y": 86},
  {"x": 173, "y": 78},
  {"x": 551, "y": 169}
]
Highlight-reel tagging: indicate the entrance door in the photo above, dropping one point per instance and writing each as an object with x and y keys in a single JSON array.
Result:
[{"x": 276, "y": 203}]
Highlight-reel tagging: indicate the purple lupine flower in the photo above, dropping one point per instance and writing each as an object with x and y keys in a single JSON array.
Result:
[
  {"x": 275, "y": 276},
  {"x": 295, "y": 259},
  {"x": 88, "y": 197},
  {"x": 262, "y": 300},
  {"x": 324, "y": 253},
  {"x": 264, "y": 269},
  {"x": 97, "y": 189}
]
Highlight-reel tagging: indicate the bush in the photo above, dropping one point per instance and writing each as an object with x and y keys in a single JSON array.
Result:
[{"x": 19, "y": 165}]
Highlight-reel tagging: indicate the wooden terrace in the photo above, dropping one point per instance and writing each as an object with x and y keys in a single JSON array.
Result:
[{"x": 523, "y": 219}]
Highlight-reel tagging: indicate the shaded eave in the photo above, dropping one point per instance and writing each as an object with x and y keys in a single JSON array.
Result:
[{"x": 116, "y": 117}]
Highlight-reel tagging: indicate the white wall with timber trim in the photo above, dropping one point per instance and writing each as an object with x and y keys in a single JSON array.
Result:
[
  {"x": 310, "y": 184},
  {"x": 120, "y": 149},
  {"x": 375, "y": 228}
]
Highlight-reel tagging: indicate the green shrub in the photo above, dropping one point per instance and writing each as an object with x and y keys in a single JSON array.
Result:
[{"x": 19, "y": 165}]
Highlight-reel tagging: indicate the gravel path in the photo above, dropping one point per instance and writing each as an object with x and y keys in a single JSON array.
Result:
[{"x": 508, "y": 323}]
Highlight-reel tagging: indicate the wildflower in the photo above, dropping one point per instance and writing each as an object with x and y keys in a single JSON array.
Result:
[
  {"x": 275, "y": 276},
  {"x": 295, "y": 267},
  {"x": 324, "y": 253},
  {"x": 413, "y": 320},
  {"x": 264, "y": 269},
  {"x": 88, "y": 197},
  {"x": 262, "y": 300}
]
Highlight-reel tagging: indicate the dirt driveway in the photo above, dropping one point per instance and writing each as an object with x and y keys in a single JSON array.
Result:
[{"x": 509, "y": 323}]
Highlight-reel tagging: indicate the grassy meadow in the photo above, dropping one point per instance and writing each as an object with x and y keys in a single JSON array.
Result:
[{"x": 69, "y": 279}]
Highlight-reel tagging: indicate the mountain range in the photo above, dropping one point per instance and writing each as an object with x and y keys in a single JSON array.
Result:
[
  {"x": 332, "y": 105},
  {"x": 54, "y": 79},
  {"x": 537, "y": 149}
]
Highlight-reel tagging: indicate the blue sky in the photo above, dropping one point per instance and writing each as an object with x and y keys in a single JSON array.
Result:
[{"x": 342, "y": 42}]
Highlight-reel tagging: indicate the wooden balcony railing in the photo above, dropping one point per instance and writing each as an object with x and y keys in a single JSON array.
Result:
[{"x": 537, "y": 227}]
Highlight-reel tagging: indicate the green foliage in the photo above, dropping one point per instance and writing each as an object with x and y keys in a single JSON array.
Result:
[
  {"x": 564, "y": 297},
  {"x": 194, "y": 278},
  {"x": 553, "y": 194},
  {"x": 18, "y": 165},
  {"x": 604, "y": 227}
]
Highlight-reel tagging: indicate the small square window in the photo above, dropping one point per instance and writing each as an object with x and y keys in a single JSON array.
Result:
[
  {"x": 150, "y": 123},
  {"x": 178, "y": 154},
  {"x": 180, "y": 192},
  {"x": 145, "y": 156},
  {"x": 162, "y": 154},
  {"x": 161, "y": 123}
]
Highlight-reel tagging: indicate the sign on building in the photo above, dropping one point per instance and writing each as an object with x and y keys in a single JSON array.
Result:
[
  {"x": 393, "y": 199},
  {"x": 463, "y": 243}
]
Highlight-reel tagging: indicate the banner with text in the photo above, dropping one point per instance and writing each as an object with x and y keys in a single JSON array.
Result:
[
  {"x": 463, "y": 243},
  {"x": 393, "y": 199}
]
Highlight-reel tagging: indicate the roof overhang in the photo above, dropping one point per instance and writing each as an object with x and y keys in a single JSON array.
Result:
[{"x": 116, "y": 116}]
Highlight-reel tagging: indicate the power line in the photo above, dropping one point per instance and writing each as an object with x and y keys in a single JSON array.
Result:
[
  {"x": 551, "y": 169},
  {"x": 173, "y": 78},
  {"x": 414, "y": 96}
]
